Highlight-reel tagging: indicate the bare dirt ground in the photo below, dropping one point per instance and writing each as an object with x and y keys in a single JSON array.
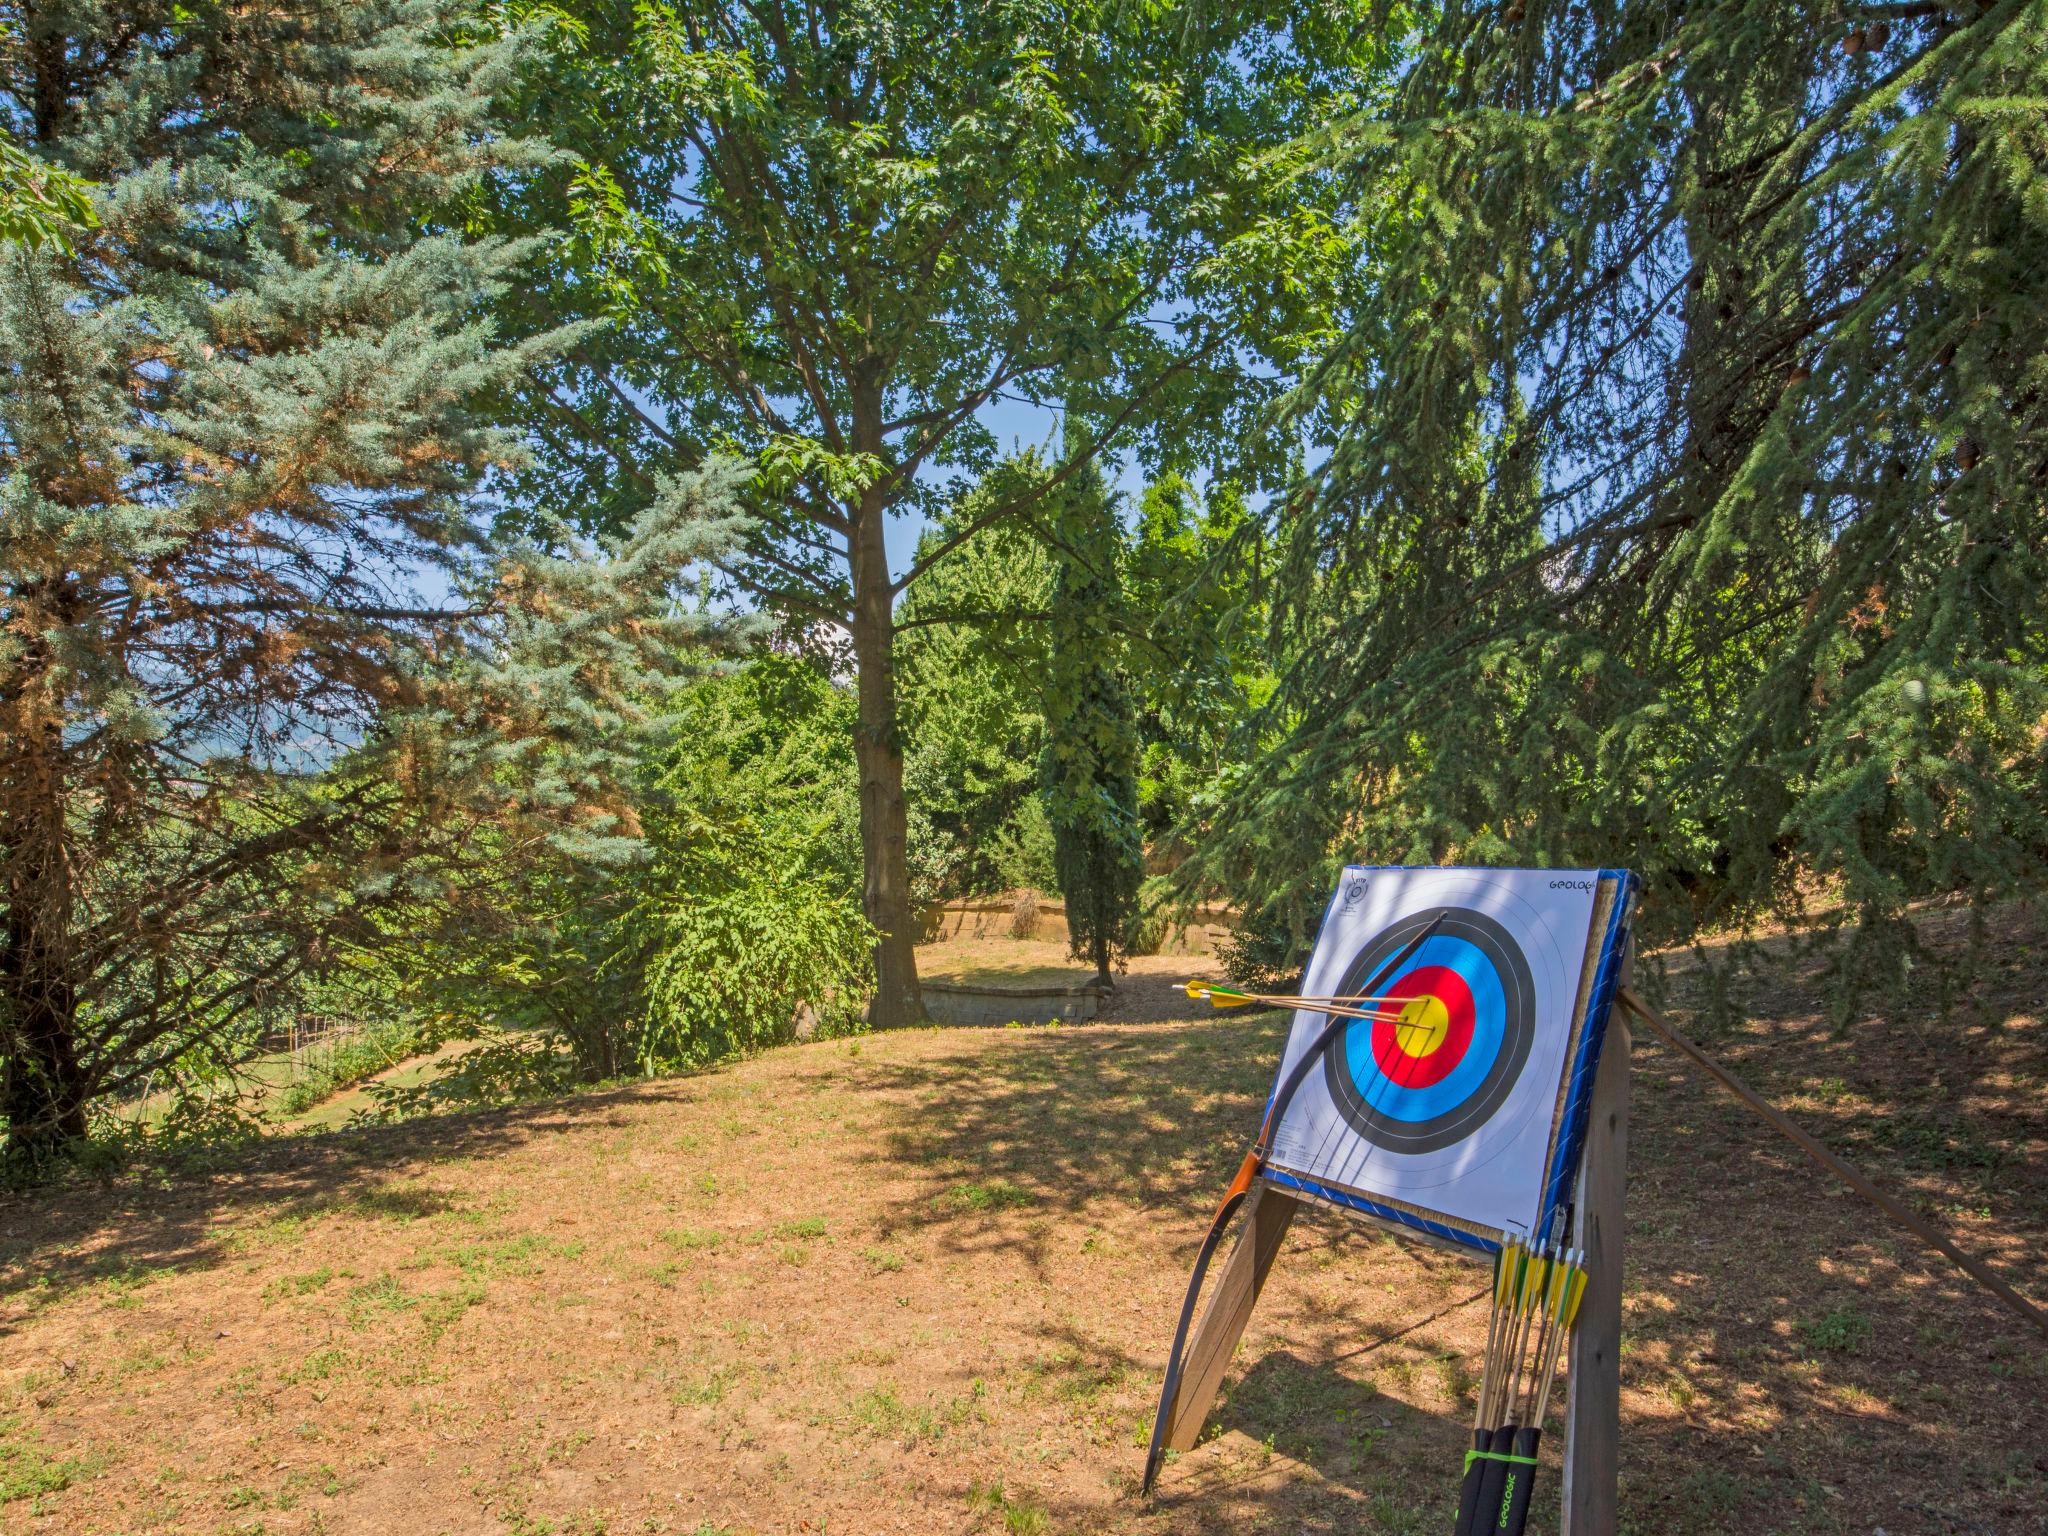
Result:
[{"x": 923, "y": 1282}]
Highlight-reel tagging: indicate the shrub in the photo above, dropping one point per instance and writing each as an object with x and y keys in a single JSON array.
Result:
[
  {"x": 329, "y": 1069},
  {"x": 1261, "y": 953}
]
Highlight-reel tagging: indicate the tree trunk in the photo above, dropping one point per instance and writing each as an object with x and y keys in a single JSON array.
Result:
[
  {"x": 44, "y": 1090},
  {"x": 884, "y": 821}
]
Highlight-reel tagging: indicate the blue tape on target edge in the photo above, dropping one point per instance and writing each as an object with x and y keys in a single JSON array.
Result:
[
  {"x": 1578, "y": 1098},
  {"x": 1394, "y": 1214}
]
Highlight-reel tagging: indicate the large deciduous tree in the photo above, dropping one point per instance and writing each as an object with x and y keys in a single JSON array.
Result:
[
  {"x": 1691, "y": 508},
  {"x": 250, "y": 649},
  {"x": 833, "y": 231}
]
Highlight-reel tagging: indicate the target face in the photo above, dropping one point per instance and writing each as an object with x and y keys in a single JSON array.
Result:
[
  {"x": 1467, "y": 1018},
  {"x": 1446, "y": 1103}
]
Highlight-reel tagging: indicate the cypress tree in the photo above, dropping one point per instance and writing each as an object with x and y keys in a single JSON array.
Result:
[
  {"x": 1088, "y": 770},
  {"x": 237, "y": 544}
]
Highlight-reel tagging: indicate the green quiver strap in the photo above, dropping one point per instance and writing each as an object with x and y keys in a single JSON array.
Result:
[{"x": 1473, "y": 1458}]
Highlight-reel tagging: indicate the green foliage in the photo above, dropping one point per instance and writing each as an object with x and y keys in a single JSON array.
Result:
[
  {"x": 748, "y": 914},
  {"x": 28, "y": 1470},
  {"x": 970, "y": 704},
  {"x": 39, "y": 202},
  {"x": 1195, "y": 591},
  {"x": 1089, "y": 765},
  {"x": 1842, "y": 1331},
  {"x": 736, "y": 919},
  {"x": 830, "y": 244},
  {"x": 329, "y": 1069},
  {"x": 1685, "y": 502},
  {"x": 237, "y": 437},
  {"x": 1262, "y": 952},
  {"x": 922, "y": 205},
  {"x": 1025, "y": 850}
]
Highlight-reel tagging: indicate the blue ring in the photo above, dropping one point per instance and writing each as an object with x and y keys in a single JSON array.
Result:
[{"x": 1489, "y": 1028}]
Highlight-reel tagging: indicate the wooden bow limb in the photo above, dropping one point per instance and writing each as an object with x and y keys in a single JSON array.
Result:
[{"x": 1241, "y": 1186}]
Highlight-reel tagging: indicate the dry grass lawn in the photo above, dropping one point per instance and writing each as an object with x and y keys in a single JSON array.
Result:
[{"x": 922, "y": 1283}]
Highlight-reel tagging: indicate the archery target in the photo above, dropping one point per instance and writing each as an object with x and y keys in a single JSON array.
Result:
[
  {"x": 1448, "y": 1105},
  {"x": 1437, "y": 1073}
]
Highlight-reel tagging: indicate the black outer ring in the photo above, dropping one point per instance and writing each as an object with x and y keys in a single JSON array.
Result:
[{"x": 1518, "y": 1035}]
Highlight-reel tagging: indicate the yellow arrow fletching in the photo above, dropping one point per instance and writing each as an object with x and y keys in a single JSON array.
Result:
[
  {"x": 1577, "y": 1294},
  {"x": 1221, "y": 997},
  {"x": 1539, "y": 1280}
]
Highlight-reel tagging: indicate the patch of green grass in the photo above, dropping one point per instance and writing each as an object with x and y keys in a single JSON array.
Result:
[
  {"x": 440, "y": 1309},
  {"x": 682, "y": 1239},
  {"x": 563, "y": 1451},
  {"x": 318, "y": 1366},
  {"x": 990, "y": 1195},
  {"x": 298, "y": 1285},
  {"x": 402, "y": 1205},
  {"x": 1843, "y": 1331},
  {"x": 1709, "y": 1491},
  {"x": 142, "y": 1363},
  {"x": 1457, "y": 1378},
  {"x": 810, "y": 1226},
  {"x": 521, "y": 1255},
  {"x": 881, "y": 1411},
  {"x": 1938, "y": 1142},
  {"x": 118, "y": 1283},
  {"x": 287, "y": 1226},
  {"x": 1289, "y": 1396},
  {"x": 703, "y": 1391},
  {"x": 1021, "y": 1515},
  {"x": 1078, "y": 1382},
  {"x": 383, "y": 1294},
  {"x": 884, "y": 1261},
  {"x": 28, "y": 1471}
]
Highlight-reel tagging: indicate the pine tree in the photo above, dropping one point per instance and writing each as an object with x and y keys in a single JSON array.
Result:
[
  {"x": 1088, "y": 769},
  {"x": 251, "y": 648},
  {"x": 1750, "y": 582}
]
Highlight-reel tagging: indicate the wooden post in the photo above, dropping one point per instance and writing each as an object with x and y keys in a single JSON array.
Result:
[{"x": 1592, "y": 1443}]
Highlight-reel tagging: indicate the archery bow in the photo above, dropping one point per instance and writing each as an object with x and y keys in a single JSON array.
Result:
[{"x": 1253, "y": 1165}]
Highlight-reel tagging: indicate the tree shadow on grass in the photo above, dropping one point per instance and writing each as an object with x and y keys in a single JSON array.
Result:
[
  {"x": 122, "y": 1233},
  {"x": 1793, "y": 1362},
  {"x": 1155, "y": 1117}
]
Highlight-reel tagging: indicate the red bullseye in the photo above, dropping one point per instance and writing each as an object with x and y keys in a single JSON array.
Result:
[{"x": 1429, "y": 1041}]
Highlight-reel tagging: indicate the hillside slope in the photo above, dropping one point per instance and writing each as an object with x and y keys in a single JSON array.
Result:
[{"x": 922, "y": 1283}]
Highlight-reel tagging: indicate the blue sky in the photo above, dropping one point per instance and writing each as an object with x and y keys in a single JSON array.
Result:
[{"x": 1016, "y": 424}]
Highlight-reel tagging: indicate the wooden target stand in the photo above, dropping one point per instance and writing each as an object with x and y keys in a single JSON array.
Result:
[{"x": 1593, "y": 1402}]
